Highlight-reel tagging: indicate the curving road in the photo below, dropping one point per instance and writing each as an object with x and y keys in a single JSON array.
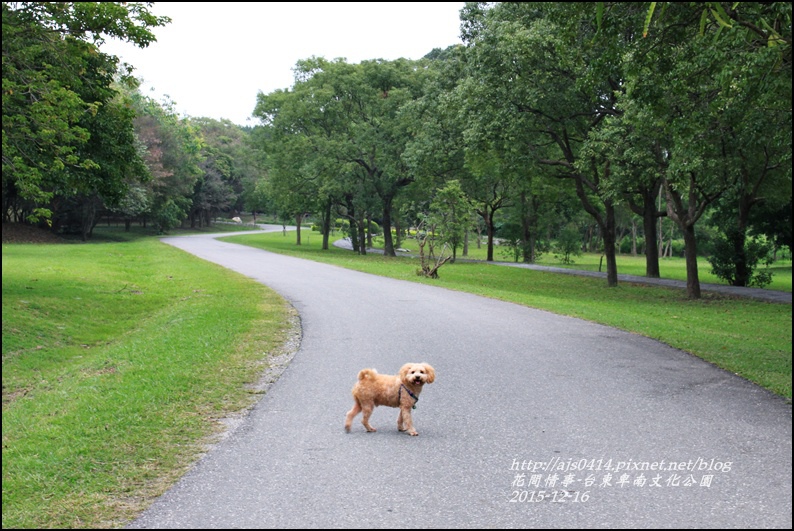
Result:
[{"x": 523, "y": 399}]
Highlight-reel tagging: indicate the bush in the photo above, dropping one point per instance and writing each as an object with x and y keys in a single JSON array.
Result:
[
  {"x": 375, "y": 228},
  {"x": 168, "y": 216},
  {"x": 569, "y": 242},
  {"x": 726, "y": 265},
  {"x": 342, "y": 225},
  {"x": 624, "y": 247}
]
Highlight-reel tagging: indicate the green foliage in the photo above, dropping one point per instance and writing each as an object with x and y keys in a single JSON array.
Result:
[
  {"x": 169, "y": 214},
  {"x": 451, "y": 214},
  {"x": 230, "y": 168},
  {"x": 342, "y": 225},
  {"x": 374, "y": 229},
  {"x": 568, "y": 243},
  {"x": 133, "y": 204},
  {"x": 695, "y": 109},
  {"x": 172, "y": 149},
  {"x": 338, "y": 136},
  {"x": 511, "y": 241},
  {"x": 741, "y": 268},
  {"x": 63, "y": 131}
]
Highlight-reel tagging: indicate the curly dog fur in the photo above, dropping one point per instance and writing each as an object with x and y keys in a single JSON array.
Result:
[{"x": 400, "y": 390}]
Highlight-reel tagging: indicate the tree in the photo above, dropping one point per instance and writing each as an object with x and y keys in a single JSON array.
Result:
[
  {"x": 725, "y": 265},
  {"x": 429, "y": 263},
  {"x": 714, "y": 94},
  {"x": 774, "y": 223},
  {"x": 300, "y": 126},
  {"x": 211, "y": 195},
  {"x": 538, "y": 86},
  {"x": 569, "y": 242},
  {"x": 228, "y": 152},
  {"x": 490, "y": 188},
  {"x": 292, "y": 180},
  {"x": 172, "y": 152},
  {"x": 637, "y": 153},
  {"x": 134, "y": 203},
  {"x": 350, "y": 117},
  {"x": 451, "y": 212},
  {"x": 62, "y": 131}
]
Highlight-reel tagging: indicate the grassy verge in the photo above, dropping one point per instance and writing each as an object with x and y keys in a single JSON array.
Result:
[
  {"x": 749, "y": 338},
  {"x": 119, "y": 362},
  {"x": 671, "y": 267}
]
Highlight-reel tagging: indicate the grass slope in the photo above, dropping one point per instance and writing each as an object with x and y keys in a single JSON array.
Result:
[{"x": 119, "y": 361}]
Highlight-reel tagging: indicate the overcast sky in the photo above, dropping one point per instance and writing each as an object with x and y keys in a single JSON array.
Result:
[{"x": 213, "y": 58}]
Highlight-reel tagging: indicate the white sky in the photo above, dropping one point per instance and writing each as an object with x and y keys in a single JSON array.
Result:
[{"x": 213, "y": 58}]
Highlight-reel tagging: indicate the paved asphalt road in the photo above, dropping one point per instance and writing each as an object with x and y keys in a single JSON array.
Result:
[{"x": 535, "y": 420}]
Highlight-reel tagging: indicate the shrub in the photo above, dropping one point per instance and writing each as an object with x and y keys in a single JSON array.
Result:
[
  {"x": 739, "y": 270},
  {"x": 568, "y": 243}
]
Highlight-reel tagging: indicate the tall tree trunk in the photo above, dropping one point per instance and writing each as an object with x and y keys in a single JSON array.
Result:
[
  {"x": 388, "y": 243},
  {"x": 691, "y": 252},
  {"x": 685, "y": 215},
  {"x": 326, "y": 223},
  {"x": 351, "y": 216},
  {"x": 606, "y": 223},
  {"x": 529, "y": 221},
  {"x": 354, "y": 234},
  {"x": 466, "y": 242},
  {"x": 87, "y": 218},
  {"x": 610, "y": 238},
  {"x": 369, "y": 230},
  {"x": 487, "y": 215},
  {"x": 651, "y": 248},
  {"x": 362, "y": 239},
  {"x": 397, "y": 232},
  {"x": 739, "y": 239}
]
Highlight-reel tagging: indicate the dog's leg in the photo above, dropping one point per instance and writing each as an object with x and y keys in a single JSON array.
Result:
[
  {"x": 351, "y": 414},
  {"x": 408, "y": 421},
  {"x": 367, "y": 411},
  {"x": 400, "y": 426}
]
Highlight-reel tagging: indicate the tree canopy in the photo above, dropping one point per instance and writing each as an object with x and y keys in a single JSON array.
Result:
[{"x": 65, "y": 130}]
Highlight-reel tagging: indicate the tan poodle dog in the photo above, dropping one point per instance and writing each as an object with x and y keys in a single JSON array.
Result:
[{"x": 401, "y": 390}]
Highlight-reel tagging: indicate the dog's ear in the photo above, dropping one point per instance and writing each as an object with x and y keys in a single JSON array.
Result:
[
  {"x": 404, "y": 371},
  {"x": 431, "y": 373}
]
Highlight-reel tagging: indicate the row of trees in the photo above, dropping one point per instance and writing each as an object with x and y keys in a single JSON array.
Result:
[
  {"x": 549, "y": 116},
  {"x": 81, "y": 141},
  {"x": 546, "y": 100}
]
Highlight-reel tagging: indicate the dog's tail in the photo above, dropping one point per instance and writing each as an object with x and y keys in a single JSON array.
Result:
[{"x": 366, "y": 374}]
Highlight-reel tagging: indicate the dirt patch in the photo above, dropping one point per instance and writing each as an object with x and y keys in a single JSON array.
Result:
[{"x": 24, "y": 233}]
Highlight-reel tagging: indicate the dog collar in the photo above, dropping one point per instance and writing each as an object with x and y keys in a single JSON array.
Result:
[{"x": 399, "y": 395}]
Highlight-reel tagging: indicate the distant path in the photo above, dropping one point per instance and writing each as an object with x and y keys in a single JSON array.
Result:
[
  {"x": 769, "y": 295},
  {"x": 535, "y": 421}
]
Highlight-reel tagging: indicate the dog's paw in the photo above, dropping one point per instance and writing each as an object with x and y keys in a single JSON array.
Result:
[{"x": 413, "y": 433}]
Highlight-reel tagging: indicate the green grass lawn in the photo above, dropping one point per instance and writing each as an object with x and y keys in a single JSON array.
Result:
[
  {"x": 747, "y": 337},
  {"x": 120, "y": 358},
  {"x": 670, "y": 267}
]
